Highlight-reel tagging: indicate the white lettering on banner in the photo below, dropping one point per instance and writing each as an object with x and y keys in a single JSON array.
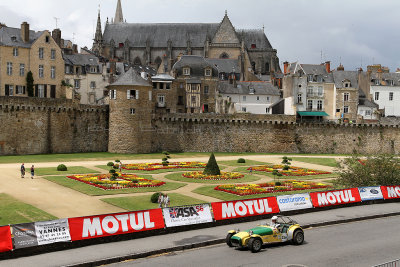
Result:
[
  {"x": 335, "y": 197},
  {"x": 393, "y": 191},
  {"x": 243, "y": 208},
  {"x": 112, "y": 224}
]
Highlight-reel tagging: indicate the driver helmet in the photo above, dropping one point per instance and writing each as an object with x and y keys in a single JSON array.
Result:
[{"x": 274, "y": 218}]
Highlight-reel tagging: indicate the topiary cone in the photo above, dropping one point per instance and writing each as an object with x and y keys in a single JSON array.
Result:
[{"x": 212, "y": 166}]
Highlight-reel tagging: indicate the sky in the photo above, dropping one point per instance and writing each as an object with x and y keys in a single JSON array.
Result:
[{"x": 355, "y": 33}]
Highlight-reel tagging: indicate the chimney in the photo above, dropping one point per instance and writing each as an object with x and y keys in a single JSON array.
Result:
[
  {"x": 56, "y": 34},
  {"x": 285, "y": 67},
  {"x": 25, "y": 32},
  {"x": 328, "y": 66},
  {"x": 75, "y": 49}
]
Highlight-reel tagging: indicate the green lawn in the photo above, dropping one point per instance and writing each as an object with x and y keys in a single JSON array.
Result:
[
  {"x": 247, "y": 163},
  {"x": 13, "y": 211},
  {"x": 307, "y": 177},
  {"x": 71, "y": 170},
  {"x": 320, "y": 161},
  {"x": 178, "y": 177},
  {"x": 144, "y": 203},
  {"x": 94, "y": 191},
  {"x": 107, "y": 168}
]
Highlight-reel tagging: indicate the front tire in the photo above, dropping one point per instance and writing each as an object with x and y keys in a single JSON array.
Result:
[
  {"x": 255, "y": 244},
  {"x": 298, "y": 237},
  {"x": 228, "y": 240}
]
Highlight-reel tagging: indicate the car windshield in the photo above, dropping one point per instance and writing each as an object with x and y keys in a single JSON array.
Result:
[{"x": 285, "y": 220}]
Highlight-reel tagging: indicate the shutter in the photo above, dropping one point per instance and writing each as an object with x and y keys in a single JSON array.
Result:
[
  {"x": 45, "y": 90},
  {"x": 7, "y": 92},
  {"x": 115, "y": 94},
  {"x": 128, "y": 94},
  {"x": 110, "y": 94},
  {"x": 150, "y": 95},
  {"x": 23, "y": 89},
  {"x": 137, "y": 94},
  {"x": 36, "y": 90}
]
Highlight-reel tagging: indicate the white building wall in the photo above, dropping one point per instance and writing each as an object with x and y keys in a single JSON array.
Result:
[
  {"x": 392, "y": 107},
  {"x": 256, "y": 104}
]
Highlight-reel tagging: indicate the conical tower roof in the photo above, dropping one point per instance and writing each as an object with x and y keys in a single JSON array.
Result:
[{"x": 131, "y": 78}]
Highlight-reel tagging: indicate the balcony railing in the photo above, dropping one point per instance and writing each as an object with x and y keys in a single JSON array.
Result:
[{"x": 315, "y": 95}]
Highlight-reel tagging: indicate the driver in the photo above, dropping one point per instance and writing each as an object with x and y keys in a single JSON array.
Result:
[{"x": 273, "y": 223}]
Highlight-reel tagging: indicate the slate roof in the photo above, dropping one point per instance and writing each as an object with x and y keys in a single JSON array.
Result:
[
  {"x": 162, "y": 77},
  {"x": 131, "y": 78},
  {"x": 256, "y": 37},
  {"x": 339, "y": 76},
  {"x": 367, "y": 103},
  {"x": 243, "y": 88},
  {"x": 6, "y": 33},
  {"x": 81, "y": 59},
  {"x": 395, "y": 77},
  {"x": 318, "y": 70},
  {"x": 224, "y": 65},
  {"x": 197, "y": 65}
]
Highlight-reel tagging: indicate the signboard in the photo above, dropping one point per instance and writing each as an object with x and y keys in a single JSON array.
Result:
[
  {"x": 24, "y": 235},
  {"x": 335, "y": 197},
  {"x": 196, "y": 214},
  {"x": 294, "y": 202},
  {"x": 52, "y": 232},
  {"x": 390, "y": 192},
  {"x": 370, "y": 193},
  {"x": 115, "y": 224},
  {"x": 5, "y": 239},
  {"x": 244, "y": 208}
]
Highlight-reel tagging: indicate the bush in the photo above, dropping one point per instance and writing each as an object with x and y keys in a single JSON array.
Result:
[
  {"x": 212, "y": 167},
  {"x": 278, "y": 183},
  {"x": 154, "y": 197},
  {"x": 110, "y": 164},
  {"x": 241, "y": 160},
  {"x": 117, "y": 160},
  {"x": 286, "y": 167},
  {"x": 112, "y": 171},
  {"x": 115, "y": 166},
  {"x": 62, "y": 168}
]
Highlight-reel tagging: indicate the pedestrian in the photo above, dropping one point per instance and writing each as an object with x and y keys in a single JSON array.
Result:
[
  {"x": 251, "y": 170},
  {"x": 160, "y": 200},
  {"x": 166, "y": 201},
  {"x": 32, "y": 171},
  {"x": 120, "y": 167},
  {"x": 22, "y": 170}
]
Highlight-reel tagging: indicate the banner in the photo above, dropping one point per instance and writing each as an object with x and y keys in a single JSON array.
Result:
[
  {"x": 52, "y": 232},
  {"x": 196, "y": 214},
  {"x": 370, "y": 193},
  {"x": 390, "y": 192},
  {"x": 335, "y": 197},
  {"x": 24, "y": 235},
  {"x": 115, "y": 224},
  {"x": 294, "y": 202},
  {"x": 244, "y": 208},
  {"x": 5, "y": 239}
]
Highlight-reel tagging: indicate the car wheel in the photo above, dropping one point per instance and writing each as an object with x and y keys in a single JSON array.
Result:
[
  {"x": 255, "y": 244},
  {"x": 228, "y": 240},
  {"x": 298, "y": 237}
]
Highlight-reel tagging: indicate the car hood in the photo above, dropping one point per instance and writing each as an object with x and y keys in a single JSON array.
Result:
[{"x": 259, "y": 230}]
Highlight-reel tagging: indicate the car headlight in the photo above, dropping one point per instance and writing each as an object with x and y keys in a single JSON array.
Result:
[{"x": 250, "y": 232}]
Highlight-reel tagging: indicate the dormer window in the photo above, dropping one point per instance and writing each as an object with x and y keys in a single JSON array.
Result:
[
  {"x": 319, "y": 79},
  {"x": 14, "y": 38},
  {"x": 251, "y": 90},
  {"x": 186, "y": 71},
  {"x": 310, "y": 77},
  {"x": 207, "y": 72},
  {"x": 121, "y": 45},
  {"x": 390, "y": 82},
  {"x": 377, "y": 82},
  {"x": 346, "y": 84}
]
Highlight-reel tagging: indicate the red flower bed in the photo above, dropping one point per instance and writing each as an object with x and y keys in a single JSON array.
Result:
[
  {"x": 292, "y": 171},
  {"x": 160, "y": 166}
]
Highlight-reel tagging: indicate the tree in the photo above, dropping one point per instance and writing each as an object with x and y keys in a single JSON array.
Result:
[
  {"x": 286, "y": 162},
  {"x": 212, "y": 167},
  {"x": 29, "y": 83},
  {"x": 374, "y": 170},
  {"x": 165, "y": 159}
]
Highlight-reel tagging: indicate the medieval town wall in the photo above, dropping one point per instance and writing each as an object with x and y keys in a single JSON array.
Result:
[{"x": 40, "y": 126}]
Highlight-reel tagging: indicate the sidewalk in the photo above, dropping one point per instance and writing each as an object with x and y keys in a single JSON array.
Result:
[{"x": 123, "y": 248}]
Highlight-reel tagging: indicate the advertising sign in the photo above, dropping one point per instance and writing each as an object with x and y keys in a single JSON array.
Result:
[
  {"x": 390, "y": 192},
  {"x": 5, "y": 239},
  {"x": 335, "y": 197},
  {"x": 294, "y": 202},
  {"x": 370, "y": 193},
  {"x": 244, "y": 208},
  {"x": 115, "y": 224},
  {"x": 196, "y": 214},
  {"x": 52, "y": 232},
  {"x": 24, "y": 235}
]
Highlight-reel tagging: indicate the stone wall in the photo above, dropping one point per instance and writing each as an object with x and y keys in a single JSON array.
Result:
[{"x": 39, "y": 126}]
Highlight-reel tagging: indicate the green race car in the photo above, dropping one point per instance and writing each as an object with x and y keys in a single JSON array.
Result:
[{"x": 285, "y": 230}]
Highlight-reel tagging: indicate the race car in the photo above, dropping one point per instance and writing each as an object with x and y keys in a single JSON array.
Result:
[{"x": 285, "y": 230}]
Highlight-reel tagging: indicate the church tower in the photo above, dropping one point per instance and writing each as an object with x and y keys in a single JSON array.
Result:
[
  {"x": 119, "y": 18},
  {"x": 98, "y": 38}
]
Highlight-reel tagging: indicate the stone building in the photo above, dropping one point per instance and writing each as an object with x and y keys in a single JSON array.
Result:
[{"x": 23, "y": 50}]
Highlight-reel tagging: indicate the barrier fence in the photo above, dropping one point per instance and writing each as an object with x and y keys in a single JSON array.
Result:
[{"x": 17, "y": 236}]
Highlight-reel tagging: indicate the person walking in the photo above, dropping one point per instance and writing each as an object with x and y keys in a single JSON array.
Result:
[
  {"x": 251, "y": 170},
  {"x": 160, "y": 200},
  {"x": 120, "y": 167},
  {"x": 32, "y": 171},
  {"x": 166, "y": 201},
  {"x": 22, "y": 170}
]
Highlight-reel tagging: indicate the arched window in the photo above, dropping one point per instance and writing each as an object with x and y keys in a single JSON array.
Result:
[
  {"x": 224, "y": 55},
  {"x": 158, "y": 62},
  {"x": 137, "y": 61}
]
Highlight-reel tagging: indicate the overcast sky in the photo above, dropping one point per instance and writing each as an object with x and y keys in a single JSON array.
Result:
[{"x": 353, "y": 32}]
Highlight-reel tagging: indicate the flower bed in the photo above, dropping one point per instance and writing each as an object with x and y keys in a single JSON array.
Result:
[
  {"x": 103, "y": 181},
  {"x": 223, "y": 176},
  {"x": 293, "y": 171},
  {"x": 160, "y": 166},
  {"x": 252, "y": 189}
]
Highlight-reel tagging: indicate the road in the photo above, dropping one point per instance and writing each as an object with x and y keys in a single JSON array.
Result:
[{"x": 364, "y": 243}]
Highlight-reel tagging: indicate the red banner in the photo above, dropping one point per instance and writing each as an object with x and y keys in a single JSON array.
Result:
[
  {"x": 115, "y": 224},
  {"x": 244, "y": 208},
  {"x": 390, "y": 192},
  {"x": 5, "y": 239},
  {"x": 335, "y": 197}
]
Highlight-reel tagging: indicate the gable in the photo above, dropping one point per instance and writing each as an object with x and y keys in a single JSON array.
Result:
[{"x": 226, "y": 33}]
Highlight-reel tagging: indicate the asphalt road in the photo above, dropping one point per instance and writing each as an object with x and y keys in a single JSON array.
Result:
[{"x": 364, "y": 243}]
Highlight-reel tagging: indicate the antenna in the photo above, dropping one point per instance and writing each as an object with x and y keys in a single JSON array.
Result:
[
  {"x": 56, "y": 22},
  {"x": 321, "y": 56},
  {"x": 73, "y": 38}
]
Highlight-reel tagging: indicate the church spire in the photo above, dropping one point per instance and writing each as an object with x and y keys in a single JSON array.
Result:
[
  {"x": 98, "y": 37},
  {"x": 119, "y": 18}
]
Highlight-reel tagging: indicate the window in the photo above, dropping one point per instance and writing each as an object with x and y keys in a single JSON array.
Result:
[
  {"x": 41, "y": 53},
  {"x": 377, "y": 82},
  {"x": 180, "y": 100},
  {"x": 53, "y": 72},
  {"x": 40, "y": 90},
  {"x": 11, "y": 90},
  {"x": 319, "y": 79},
  {"x": 161, "y": 99},
  {"x": 258, "y": 98},
  {"x": 181, "y": 85},
  {"x": 208, "y": 72},
  {"x": 346, "y": 85},
  {"x": 320, "y": 91},
  {"x": 150, "y": 95},
  {"x": 244, "y": 98},
  {"x": 299, "y": 98},
  {"x": 77, "y": 83},
  {"x": 338, "y": 110},
  {"x": 206, "y": 89},
  {"x": 193, "y": 100},
  {"x": 268, "y": 99},
  {"x": 319, "y": 105},
  {"x": 346, "y": 96},
  {"x": 310, "y": 90},
  {"x": 68, "y": 69},
  {"x": 376, "y": 95},
  {"x": 132, "y": 94},
  {"x": 20, "y": 90},
  {"x": 346, "y": 109},
  {"x": 21, "y": 69},
  {"x": 53, "y": 54},
  {"x": 93, "y": 69},
  {"x": 267, "y": 110},
  {"x": 92, "y": 85},
  {"x": 251, "y": 90},
  {"x": 47, "y": 39},
  {"x": 309, "y": 104},
  {"x": 186, "y": 71},
  {"x": 244, "y": 109},
  {"x": 390, "y": 96},
  {"x": 9, "y": 68},
  {"x": 132, "y": 111},
  {"x": 167, "y": 86},
  {"x": 368, "y": 113},
  {"x": 310, "y": 78},
  {"x": 113, "y": 94},
  {"x": 41, "y": 71},
  {"x": 391, "y": 82},
  {"x": 15, "y": 52}
]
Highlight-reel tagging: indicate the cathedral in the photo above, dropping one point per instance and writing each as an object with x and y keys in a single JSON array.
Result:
[{"x": 160, "y": 45}]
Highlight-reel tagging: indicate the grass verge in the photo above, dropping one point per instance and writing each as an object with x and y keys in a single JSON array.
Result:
[
  {"x": 107, "y": 168},
  {"x": 307, "y": 177},
  {"x": 178, "y": 177},
  {"x": 71, "y": 170},
  {"x": 248, "y": 162},
  {"x": 320, "y": 161}
]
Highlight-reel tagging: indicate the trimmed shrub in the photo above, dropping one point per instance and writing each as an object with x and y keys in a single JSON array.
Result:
[
  {"x": 212, "y": 167},
  {"x": 115, "y": 166},
  {"x": 110, "y": 164},
  {"x": 117, "y": 160},
  {"x": 241, "y": 160},
  {"x": 154, "y": 197},
  {"x": 278, "y": 183},
  {"x": 62, "y": 168}
]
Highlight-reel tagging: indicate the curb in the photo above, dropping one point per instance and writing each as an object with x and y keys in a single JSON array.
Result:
[{"x": 215, "y": 242}]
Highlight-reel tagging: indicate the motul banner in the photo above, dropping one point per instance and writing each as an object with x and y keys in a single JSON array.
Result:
[
  {"x": 5, "y": 239},
  {"x": 336, "y": 197},
  {"x": 294, "y": 202},
  {"x": 370, "y": 193},
  {"x": 196, "y": 214},
  {"x": 115, "y": 224},
  {"x": 390, "y": 192},
  {"x": 244, "y": 208}
]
